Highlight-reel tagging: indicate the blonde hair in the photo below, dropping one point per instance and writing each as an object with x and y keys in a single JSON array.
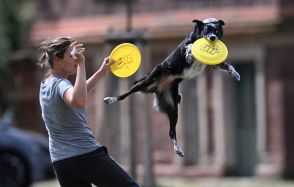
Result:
[{"x": 50, "y": 49}]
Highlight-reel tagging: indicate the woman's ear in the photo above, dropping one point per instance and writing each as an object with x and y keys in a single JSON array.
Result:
[{"x": 56, "y": 60}]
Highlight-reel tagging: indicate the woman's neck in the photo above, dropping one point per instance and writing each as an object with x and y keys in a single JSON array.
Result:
[{"x": 58, "y": 74}]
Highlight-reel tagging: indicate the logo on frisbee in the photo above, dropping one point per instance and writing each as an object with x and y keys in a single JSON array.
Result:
[
  {"x": 212, "y": 50},
  {"x": 124, "y": 62}
]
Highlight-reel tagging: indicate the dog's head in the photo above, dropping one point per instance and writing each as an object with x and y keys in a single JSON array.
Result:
[{"x": 210, "y": 28}]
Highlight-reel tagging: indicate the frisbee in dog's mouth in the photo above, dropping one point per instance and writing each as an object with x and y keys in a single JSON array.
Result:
[
  {"x": 128, "y": 60},
  {"x": 209, "y": 52}
]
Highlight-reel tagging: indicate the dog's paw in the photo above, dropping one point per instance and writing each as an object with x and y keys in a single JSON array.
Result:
[
  {"x": 177, "y": 148},
  {"x": 110, "y": 100},
  {"x": 236, "y": 76},
  {"x": 188, "y": 54},
  {"x": 180, "y": 152},
  {"x": 233, "y": 73}
]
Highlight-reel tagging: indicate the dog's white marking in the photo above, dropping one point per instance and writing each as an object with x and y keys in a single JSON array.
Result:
[
  {"x": 110, "y": 100},
  {"x": 196, "y": 67},
  {"x": 177, "y": 148},
  {"x": 155, "y": 104},
  {"x": 169, "y": 99},
  {"x": 210, "y": 20}
]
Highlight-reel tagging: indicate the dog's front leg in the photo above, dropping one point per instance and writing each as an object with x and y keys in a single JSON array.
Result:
[{"x": 228, "y": 68}]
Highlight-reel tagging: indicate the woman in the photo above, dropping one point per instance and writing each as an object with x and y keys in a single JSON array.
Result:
[{"x": 78, "y": 159}]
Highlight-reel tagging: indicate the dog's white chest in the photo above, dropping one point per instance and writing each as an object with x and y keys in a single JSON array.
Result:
[
  {"x": 196, "y": 67},
  {"x": 194, "y": 70}
]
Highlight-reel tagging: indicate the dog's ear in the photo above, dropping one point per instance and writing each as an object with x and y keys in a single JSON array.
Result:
[
  {"x": 221, "y": 22},
  {"x": 198, "y": 22},
  {"x": 198, "y": 27}
]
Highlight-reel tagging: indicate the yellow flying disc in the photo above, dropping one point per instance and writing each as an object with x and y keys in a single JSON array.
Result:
[
  {"x": 209, "y": 52},
  {"x": 128, "y": 60}
]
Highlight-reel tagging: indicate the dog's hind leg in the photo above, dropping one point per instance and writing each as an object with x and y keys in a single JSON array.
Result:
[
  {"x": 168, "y": 103},
  {"x": 228, "y": 68},
  {"x": 136, "y": 88},
  {"x": 140, "y": 85},
  {"x": 173, "y": 118}
]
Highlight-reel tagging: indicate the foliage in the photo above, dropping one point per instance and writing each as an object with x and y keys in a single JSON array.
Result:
[{"x": 16, "y": 17}]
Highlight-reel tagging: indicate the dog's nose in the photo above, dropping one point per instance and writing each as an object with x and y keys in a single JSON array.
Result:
[{"x": 212, "y": 38}]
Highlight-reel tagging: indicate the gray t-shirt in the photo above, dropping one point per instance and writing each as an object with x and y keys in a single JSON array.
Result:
[{"x": 68, "y": 130}]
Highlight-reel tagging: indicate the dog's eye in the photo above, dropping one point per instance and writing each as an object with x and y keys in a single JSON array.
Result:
[
  {"x": 218, "y": 32},
  {"x": 208, "y": 30}
]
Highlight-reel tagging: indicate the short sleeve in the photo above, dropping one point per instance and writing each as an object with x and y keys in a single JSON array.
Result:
[{"x": 63, "y": 86}]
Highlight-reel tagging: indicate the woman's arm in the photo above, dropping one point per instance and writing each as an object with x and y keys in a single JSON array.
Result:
[
  {"x": 77, "y": 95},
  {"x": 102, "y": 71}
]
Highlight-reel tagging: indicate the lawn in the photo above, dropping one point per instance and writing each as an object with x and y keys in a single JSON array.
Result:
[{"x": 204, "y": 182}]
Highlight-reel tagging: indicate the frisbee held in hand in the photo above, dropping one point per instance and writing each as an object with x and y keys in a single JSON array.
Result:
[
  {"x": 209, "y": 52},
  {"x": 128, "y": 60}
]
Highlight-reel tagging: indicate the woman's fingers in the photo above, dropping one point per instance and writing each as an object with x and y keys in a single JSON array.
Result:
[
  {"x": 75, "y": 45},
  {"x": 72, "y": 44},
  {"x": 110, "y": 62},
  {"x": 81, "y": 50},
  {"x": 79, "y": 45},
  {"x": 76, "y": 48}
]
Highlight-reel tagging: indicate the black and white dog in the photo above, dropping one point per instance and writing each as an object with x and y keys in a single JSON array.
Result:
[{"x": 165, "y": 78}]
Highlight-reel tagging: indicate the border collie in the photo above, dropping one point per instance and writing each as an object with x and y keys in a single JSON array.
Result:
[{"x": 165, "y": 78}]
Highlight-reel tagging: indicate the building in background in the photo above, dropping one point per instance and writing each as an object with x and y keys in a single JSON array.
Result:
[{"x": 226, "y": 128}]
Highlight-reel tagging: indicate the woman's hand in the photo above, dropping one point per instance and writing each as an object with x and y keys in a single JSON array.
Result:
[
  {"x": 102, "y": 71},
  {"x": 105, "y": 67},
  {"x": 77, "y": 52}
]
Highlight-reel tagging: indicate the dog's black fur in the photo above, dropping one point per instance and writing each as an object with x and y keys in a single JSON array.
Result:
[{"x": 165, "y": 78}]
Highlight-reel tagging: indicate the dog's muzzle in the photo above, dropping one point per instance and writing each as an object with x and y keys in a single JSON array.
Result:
[{"x": 211, "y": 37}]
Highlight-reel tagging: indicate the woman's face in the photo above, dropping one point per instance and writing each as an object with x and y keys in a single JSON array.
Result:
[{"x": 68, "y": 64}]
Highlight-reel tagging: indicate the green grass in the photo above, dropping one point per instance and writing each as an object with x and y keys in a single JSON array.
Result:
[{"x": 203, "y": 182}]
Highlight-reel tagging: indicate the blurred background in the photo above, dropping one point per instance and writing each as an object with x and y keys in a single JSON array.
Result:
[{"x": 226, "y": 128}]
